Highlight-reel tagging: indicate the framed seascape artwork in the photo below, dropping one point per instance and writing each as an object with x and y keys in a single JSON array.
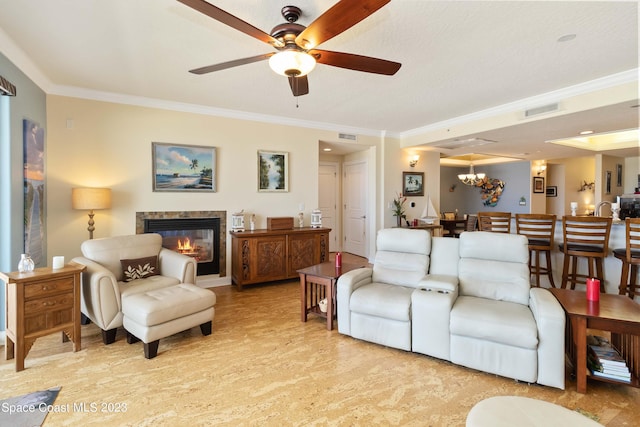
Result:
[
  {"x": 538, "y": 184},
  {"x": 273, "y": 171},
  {"x": 35, "y": 229},
  {"x": 183, "y": 167},
  {"x": 412, "y": 184}
]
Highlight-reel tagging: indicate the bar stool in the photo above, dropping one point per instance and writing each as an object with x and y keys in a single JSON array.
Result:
[
  {"x": 498, "y": 222},
  {"x": 539, "y": 229},
  {"x": 587, "y": 237},
  {"x": 630, "y": 257}
]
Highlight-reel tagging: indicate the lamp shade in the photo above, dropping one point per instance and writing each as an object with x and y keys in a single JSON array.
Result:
[
  {"x": 292, "y": 63},
  {"x": 91, "y": 198}
]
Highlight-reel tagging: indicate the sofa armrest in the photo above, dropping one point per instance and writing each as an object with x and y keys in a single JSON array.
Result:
[
  {"x": 550, "y": 321},
  {"x": 100, "y": 295},
  {"x": 347, "y": 283},
  {"x": 173, "y": 264},
  {"x": 442, "y": 283}
]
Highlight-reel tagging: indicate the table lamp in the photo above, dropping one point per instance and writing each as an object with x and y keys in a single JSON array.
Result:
[{"x": 91, "y": 199}]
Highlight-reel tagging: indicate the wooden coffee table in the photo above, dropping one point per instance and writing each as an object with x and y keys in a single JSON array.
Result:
[
  {"x": 615, "y": 313},
  {"x": 316, "y": 283}
]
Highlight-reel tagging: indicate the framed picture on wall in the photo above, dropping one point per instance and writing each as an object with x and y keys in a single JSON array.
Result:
[
  {"x": 412, "y": 184},
  {"x": 552, "y": 191},
  {"x": 183, "y": 167},
  {"x": 608, "y": 183},
  {"x": 538, "y": 184},
  {"x": 273, "y": 171},
  {"x": 618, "y": 175}
]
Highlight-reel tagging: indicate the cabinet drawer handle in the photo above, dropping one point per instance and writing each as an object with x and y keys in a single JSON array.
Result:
[{"x": 45, "y": 288}]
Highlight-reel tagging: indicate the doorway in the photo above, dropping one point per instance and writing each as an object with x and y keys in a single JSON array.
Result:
[
  {"x": 328, "y": 199},
  {"x": 355, "y": 202}
]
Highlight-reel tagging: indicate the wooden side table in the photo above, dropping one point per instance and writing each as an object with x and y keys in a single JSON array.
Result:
[
  {"x": 615, "y": 313},
  {"x": 40, "y": 303},
  {"x": 317, "y": 283}
]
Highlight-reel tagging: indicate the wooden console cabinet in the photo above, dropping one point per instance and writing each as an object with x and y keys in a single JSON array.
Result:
[
  {"x": 40, "y": 303},
  {"x": 267, "y": 255}
]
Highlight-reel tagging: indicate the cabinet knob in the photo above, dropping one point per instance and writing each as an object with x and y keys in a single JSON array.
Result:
[{"x": 48, "y": 303}]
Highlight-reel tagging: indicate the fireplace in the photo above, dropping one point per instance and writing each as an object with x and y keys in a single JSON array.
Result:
[{"x": 200, "y": 235}]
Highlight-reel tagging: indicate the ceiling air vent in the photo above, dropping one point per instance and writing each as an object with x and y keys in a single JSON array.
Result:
[
  {"x": 348, "y": 136},
  {"x": 541, "y": 110},
  {"x": 457, "y": 143}
]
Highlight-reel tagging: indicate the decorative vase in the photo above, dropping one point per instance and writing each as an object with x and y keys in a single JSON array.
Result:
[
  {"x": 399, "y": 221},
  {"x": 26, "y": 263}
]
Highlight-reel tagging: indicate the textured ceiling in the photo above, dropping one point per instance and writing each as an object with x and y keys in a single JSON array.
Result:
[{"x": 457, "y": 57}]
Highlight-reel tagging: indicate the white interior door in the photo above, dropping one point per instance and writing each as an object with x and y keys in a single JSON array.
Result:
[
  {"x": 355, "y": 208},
  {"x": 328, "y": 201}
]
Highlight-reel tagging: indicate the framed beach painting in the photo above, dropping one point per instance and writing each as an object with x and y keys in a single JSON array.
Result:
[
  {"x": 273, "y": 171},
  {"x": 183, "y": 167},
  {"x": 412, "y": 184}
]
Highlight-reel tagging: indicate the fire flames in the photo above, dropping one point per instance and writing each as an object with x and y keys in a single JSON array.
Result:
[{"x": 187, "y": 248}]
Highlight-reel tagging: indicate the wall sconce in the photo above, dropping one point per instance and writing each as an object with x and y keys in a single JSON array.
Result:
[
  {"x": 414, "y": 160},
  {"x": 91, "y": 199},
  {"x": 541, "y": 168}
]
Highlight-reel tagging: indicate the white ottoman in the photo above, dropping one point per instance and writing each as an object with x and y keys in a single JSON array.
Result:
[
  {"x": 508, "y": 411},
  {"x": 152, "y": 315}
]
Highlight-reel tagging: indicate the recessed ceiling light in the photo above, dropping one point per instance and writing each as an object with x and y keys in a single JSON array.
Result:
[
  {"x": 326, "y": 149},
  {"x": 586, "y": 132},
  {"x": 566, "y": 38}
]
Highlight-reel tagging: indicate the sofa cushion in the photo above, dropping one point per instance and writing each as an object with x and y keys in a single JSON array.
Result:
[
  {"x": 139, "y": 268},
  {"x": 382, "y": 300},
  {"x": 502, "y": 281},
  {"x": 497, "y": 321},
  {"x": 495, "y": 266},
  {"x": 402, "y": 256},
  {"x": 146, "y": 284}
]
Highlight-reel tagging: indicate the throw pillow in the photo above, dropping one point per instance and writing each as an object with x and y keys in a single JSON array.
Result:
[{"x": 139, "y": 268}]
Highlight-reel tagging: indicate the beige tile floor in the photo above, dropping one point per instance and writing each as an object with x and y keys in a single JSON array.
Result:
[{"x": 262, "y": 366}]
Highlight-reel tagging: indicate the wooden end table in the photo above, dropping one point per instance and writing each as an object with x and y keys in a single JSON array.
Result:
[
  {"x": 40, "y": 303},
  {"x": 615, "y": 313},
  {"x": 318, "y": 282}
]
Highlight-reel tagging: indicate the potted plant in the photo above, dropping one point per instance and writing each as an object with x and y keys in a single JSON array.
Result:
[{"x": 398, "y": 208}]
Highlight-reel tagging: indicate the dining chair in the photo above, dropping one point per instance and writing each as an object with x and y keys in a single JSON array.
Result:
[
  {"x": 497, "y": 222},
  {"x": 540, "y": 230},
  {"x": 470, "y": 224}
]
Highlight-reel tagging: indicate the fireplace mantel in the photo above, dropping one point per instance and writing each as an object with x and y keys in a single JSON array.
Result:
[{"x": 142, "y": 216}]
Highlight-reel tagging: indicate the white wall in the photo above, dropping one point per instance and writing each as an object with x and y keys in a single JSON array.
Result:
[{"x": 109, "y": 145}]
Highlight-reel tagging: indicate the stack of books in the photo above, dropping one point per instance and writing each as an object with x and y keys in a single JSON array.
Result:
[{"x": 604, "y": 361}]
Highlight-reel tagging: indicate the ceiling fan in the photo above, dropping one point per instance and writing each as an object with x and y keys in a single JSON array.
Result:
[{"x": 296, "y": 44}]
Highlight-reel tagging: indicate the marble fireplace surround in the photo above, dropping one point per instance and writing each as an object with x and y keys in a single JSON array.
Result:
[{"x": 141, "y": 216}]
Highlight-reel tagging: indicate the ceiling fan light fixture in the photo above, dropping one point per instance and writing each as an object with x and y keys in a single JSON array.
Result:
[{"x": 292, "y": 63}]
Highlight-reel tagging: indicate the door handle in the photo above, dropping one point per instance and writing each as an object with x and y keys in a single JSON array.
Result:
[{"x": 363, "y": 217}]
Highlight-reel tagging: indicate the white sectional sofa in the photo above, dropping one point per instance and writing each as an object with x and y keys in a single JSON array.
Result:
[{"x": 466, "y": 300}]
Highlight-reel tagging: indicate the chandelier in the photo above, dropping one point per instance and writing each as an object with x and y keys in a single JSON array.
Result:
[{"x": 471, "y": 178}]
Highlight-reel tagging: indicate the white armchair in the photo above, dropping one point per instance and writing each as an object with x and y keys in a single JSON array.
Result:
[{"x": 116, "y": 266}]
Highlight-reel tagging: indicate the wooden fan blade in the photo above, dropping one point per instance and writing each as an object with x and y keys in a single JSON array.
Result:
[
  {"x": 230, "y": 64},
  {"x": 230, "y": 20},
  {"x": 342, "y": 16},
  {"x": 356, "y": 62},
  {"x": 299, "y": 85}
]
